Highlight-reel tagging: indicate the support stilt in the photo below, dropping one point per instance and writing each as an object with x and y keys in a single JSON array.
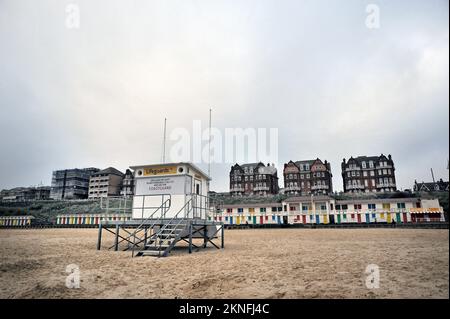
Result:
[
  {"x": 99, "y": 241},
  {"x": 205, "y": 236},
  {"x": 116, "y": 239},
  {"x": 190, "y": 238},
  {"x": 222, "y": 236}
]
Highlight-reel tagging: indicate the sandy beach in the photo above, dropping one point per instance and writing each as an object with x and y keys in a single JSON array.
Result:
[{"x": 259, "y": 263}]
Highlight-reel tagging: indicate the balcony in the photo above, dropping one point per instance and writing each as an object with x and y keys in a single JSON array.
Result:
[
  {"x": 383, "y": 185},
  {"x": 348, "y": 169},
  {"x": 354, "y": 187},
  {"x": 237, "y": 189},
  {"x": 318, "y": 187},
  {"x": 381, "y": 167},
  {"x": 261, "y": 188},
  {"x": 293, "y": 188}
]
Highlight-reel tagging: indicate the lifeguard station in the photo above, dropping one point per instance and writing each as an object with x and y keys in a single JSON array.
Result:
[{"x": 170, "y": 204}]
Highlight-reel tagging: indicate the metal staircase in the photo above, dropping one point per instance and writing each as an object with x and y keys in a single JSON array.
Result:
[
  {"x": 166, "y": 235},
  {"x": 157, "y": 234}
]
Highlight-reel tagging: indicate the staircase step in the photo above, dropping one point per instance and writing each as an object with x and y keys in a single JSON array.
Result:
[
  {"x": 157, "y": 246},
  {"x": 166, "y": 234},
  {"x": 151, "y": 252}
]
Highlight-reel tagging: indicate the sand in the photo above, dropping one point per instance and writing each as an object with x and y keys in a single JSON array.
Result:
[{"x": 256, "y": 263}]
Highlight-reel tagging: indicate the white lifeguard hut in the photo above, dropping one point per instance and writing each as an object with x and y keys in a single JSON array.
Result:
[
  {"x": 168, "y": 188},
  {"x": 170, "y": 204}
]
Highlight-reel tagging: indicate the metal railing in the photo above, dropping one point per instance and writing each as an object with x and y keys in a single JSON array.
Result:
[
  {"x": 175, "y": 221},
  {"x": 196, "y": 207},
  {"x": 163, "y": 208}
]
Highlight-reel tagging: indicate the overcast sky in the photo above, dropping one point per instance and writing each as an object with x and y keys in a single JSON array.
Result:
[{"x": 97, "y": 95}]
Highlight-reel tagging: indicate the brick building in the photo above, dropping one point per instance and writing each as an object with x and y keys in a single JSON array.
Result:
[
  {"x": 369, "y": 174},
  {"x": 307, "y": 177},
  {"x": 253, "y": 179}
]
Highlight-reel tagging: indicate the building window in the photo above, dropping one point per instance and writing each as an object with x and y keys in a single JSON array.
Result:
[
  {"x": 262, "y": 210},
  {"x": 400, "y": 205},
  {"x": 240, "y": 210},
  {"x": 251, "y": 210},
  {"x": 386, "y": 206},
  {"x": 363, "y": 164},
  {"x": 357, "y": 206},
  {"x": 372, "y": 206}
]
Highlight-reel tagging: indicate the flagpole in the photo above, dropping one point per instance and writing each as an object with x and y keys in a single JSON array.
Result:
[
  {"x": 164, "y": 141},
  {"x": 209, "y": 145}
]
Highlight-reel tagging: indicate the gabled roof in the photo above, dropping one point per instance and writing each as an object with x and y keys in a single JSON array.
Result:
[
  {"x": 431, "y": 186},
  {"x": 310, "y": 162}
]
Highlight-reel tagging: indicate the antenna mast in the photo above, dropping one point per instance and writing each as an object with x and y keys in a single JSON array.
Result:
[
  {"x": 209, "y": 145},
  {"x": 164, "y": 142}
]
